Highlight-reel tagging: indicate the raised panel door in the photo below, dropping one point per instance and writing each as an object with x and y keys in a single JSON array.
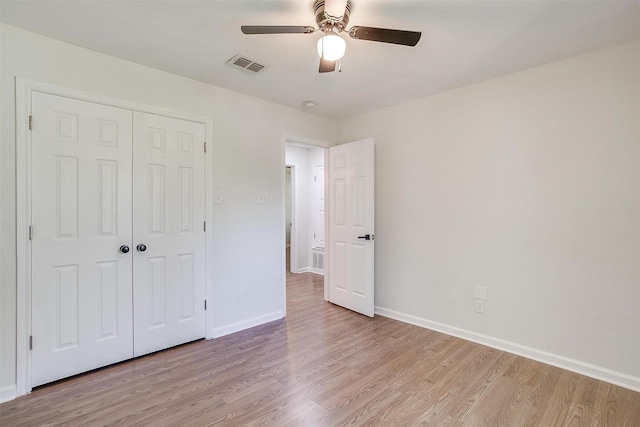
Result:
[
  {"x": 169, "y": 214},
  {"x": 351, "y": 222},
  {"x": 81, "y": 215}
]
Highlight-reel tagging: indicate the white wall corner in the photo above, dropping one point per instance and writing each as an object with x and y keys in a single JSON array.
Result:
[
  {"x": 8, "y": 392},
  {"x": 221, "y": 331},
  {"x": 577, "y": 366}
]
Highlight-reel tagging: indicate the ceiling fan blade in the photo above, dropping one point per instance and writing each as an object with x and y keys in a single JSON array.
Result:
[
  {"x": 276, "y": 29},
  {"x": 385, "y": 35},
  {"x": 327, "y": 66}
]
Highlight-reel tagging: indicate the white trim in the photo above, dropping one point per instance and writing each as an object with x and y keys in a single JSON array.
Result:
[
  {"x": 246, "y": 324},
  {"x": 305, "y": 142},
  {"x": 293, "y": 254},
  {"x": 23, "y": 245},
  {"x": 311, "y": 270},
  {"x": 327, "y": 232},
  {"x": 587, "y": 369},
  {"x": 24, "y": 89},
  {"x": 283, "y": 234},
  {"x": 8, "y": 393}
]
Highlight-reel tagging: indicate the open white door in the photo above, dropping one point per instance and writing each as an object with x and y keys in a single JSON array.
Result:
[{"x": 351, "y": 222}]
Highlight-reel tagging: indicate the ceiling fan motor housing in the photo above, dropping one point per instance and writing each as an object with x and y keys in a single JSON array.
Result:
[{"x": 327, "y": 22}]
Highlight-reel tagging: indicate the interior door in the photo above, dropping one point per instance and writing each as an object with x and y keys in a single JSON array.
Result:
[
  {"x": 169, "y": 235},
  {"x": 351, "y": 222},
  {"x": 81, "y": 217}
]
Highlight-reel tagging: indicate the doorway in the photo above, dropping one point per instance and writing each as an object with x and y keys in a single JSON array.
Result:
[{"x": 305, "y": 231}]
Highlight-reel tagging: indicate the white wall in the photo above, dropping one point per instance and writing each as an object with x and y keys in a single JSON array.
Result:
[
  {"x": 528, "y": 185},
  {"x": 316, "y": 161},
  {"x": 247, "y": 149}
]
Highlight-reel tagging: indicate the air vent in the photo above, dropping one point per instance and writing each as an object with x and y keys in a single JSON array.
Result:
[
  {"x": 246, "y": 64},
  {"x": 318, "y": 260}
]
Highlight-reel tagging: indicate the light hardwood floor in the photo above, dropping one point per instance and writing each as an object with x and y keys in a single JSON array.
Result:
[{"x": 325, "y": 365}]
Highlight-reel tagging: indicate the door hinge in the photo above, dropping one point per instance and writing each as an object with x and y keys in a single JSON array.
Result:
[
  {"x": 30, "y": 122},
  {"x": 30, "y": 342},
  {"x": 315, "y": 178},
  {"x": 205, "y": 304},
  {"x": 205, "y": 146},
  {"x": 205, "y": 226},
  {"x": 31, "y": 232}
]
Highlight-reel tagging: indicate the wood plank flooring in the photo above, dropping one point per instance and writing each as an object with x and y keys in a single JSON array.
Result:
[{"x": 326, "y": 366}]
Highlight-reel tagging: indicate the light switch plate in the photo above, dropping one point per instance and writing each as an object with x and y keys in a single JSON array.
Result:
[{"x": 480, "y": 292}]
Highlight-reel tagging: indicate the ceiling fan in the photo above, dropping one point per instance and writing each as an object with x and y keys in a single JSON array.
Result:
[{"x": 331, "y": 46}]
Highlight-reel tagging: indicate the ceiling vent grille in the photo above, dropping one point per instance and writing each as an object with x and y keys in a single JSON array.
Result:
[{"x": 246, "y": 64}]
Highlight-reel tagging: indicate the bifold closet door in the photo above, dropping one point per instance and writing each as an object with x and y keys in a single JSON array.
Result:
[
  {"x": 82, "y": 226},
  {"x": 169, "y": 235}
]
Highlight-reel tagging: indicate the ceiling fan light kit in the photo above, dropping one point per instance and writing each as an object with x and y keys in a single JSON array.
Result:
[{"x": 331, "y": 47}]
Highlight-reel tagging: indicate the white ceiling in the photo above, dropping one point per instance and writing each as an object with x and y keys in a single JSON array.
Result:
[{"x": 463, "y": 42}]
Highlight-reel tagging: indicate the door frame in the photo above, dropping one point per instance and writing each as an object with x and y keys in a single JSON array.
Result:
[
  {"x": 24, "y": 90},
  {"x": 293, "y": 237},
  {"x": 304, "y": 142}
]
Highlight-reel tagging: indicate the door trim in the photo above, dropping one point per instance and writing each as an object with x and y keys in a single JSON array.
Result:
[
  {"x": 293, "y": 238},
  {"x": 24, "y": 90}
]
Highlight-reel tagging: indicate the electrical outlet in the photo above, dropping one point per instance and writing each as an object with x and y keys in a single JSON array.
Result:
[
  {"x": 480, "y": 306},
  {"x": 217, "y": 198},
  {"x": 262, "y": 199}
]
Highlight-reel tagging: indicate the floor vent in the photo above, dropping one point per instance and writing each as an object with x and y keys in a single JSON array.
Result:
[{"x": 246, "y": 64}]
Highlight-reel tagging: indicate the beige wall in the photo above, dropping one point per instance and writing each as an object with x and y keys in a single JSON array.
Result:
[
  {"x": 528, "y": 185},
  {"x": 248, "y": 161}
]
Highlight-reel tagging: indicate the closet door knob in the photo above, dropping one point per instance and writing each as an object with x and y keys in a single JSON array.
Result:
[
  {"x": 124, "y": 249},
  {"x": 141, "y": 247}
]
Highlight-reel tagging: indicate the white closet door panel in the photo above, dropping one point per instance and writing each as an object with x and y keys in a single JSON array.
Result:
[
  {"x": 81, "y": 215},
  {"x": 169, "y": 214}
]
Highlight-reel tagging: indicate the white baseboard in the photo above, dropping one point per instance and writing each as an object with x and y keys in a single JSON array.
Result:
[
  {"x": 246, "y": 324},
  {"x": 593, "y": 371},
  {"x": 311, "y": 270},
  {"x": 8, "y": 393}
]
